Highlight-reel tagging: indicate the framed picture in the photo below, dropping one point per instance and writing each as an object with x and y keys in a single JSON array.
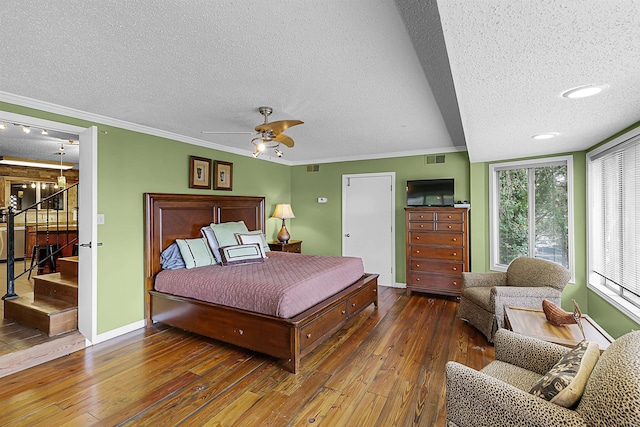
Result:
[
  {"x": 200, "y": 173},
  {"x": 222, "y": 175}
]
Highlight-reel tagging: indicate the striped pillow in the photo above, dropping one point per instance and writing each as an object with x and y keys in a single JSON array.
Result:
[{"x": 195, "y": 252}]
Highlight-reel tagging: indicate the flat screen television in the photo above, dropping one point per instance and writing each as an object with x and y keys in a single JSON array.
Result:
[{"x": 430, "y": 192}]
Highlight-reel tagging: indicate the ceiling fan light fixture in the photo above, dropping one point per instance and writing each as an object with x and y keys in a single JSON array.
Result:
[
  {"x": 278, "y": 152},
  {"x": 256, "y": 154},
  {"x": 583, "y": 91}
]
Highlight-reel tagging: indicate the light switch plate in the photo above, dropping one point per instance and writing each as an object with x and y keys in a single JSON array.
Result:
[{"x": 100, "y": 219}]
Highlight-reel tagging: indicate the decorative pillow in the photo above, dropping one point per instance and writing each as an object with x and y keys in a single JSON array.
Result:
[
  {"x": 565, "y": 382},
  {"x": 207, "y": 233},
  {"x": 241, "y": 254},
  {"x": 253, "y": 237},
  {"x": 226, "y": 232},
  {"x": 171, "y": 259},
  {"x": 195, "y": 252}
]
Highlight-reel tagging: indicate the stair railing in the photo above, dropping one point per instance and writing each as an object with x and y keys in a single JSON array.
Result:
[{"x": 62, "y": 223}]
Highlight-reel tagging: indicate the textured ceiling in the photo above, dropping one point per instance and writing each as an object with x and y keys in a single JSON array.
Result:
[{"x": 370, "y": 78}]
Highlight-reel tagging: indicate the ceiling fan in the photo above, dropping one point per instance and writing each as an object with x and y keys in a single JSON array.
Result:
[{"x": 269, "y": 133}]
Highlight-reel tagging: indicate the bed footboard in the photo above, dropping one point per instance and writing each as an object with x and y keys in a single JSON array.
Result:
[{"x": 286, "y": 339}]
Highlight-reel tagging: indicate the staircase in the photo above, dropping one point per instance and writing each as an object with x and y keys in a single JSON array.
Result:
[{"x": 52, "y": 307}]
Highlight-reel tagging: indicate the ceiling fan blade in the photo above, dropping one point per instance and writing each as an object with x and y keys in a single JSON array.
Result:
[
  {"x": 284, "y": 140},
  {"x": 278, "y": 127},
  {"x": 210, "y": 132}
]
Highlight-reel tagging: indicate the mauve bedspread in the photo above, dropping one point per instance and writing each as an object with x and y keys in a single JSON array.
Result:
[{"x": 284, "y": 285}]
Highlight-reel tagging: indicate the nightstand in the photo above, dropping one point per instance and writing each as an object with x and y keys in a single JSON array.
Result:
[{"x": 294, "y": 246}]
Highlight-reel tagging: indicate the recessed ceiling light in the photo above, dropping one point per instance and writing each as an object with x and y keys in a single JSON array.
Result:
[
  {"x": 583, "y": 91},
  {"x": 547, "y": 135}
]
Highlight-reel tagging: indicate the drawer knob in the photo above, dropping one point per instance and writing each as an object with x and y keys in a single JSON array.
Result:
[
  {"x": 417, "y": 279},
  {"x": 375, "y": 291},
  {"x": 353, "y": 304},
  {"x": 417, "y": 265},
  {"x": 449, "y": 216},
  {"x": 421, "y": 225},
  {"x": 417, "y": 252},
  {"x": 454, "y": 239},
  {"x": 455, "y": 268},
  {"x": 421, "y": 216},
  {"x": 308, "y": 336},
  {"x": 343, "y": 312},
  {"x": 417, "y": 237},
  {"x": 455, "y": 283},
  {"x": 448, "y": 226},
  {"x": 455, "y": 253}
]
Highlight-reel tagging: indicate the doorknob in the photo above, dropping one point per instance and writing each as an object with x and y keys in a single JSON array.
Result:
[
  {"x": 347, "y": 235},
  {"x": 88, "y": 245}
]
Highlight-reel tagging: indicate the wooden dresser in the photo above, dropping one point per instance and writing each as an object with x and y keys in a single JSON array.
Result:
[{"x": 437, "y": 242}]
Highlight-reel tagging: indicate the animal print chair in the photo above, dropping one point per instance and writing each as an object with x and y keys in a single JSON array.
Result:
[
  {"x": 526, "y": 283},
  {"x": 498, "y": 395}
]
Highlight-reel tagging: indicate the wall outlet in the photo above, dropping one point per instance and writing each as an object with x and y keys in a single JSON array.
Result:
[{"x": 100, "y": 219}]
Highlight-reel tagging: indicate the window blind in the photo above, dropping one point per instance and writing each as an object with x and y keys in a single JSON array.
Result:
[{"x": 615, "y": 218}]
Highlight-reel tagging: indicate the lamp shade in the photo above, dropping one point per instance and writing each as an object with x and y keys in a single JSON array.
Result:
[{"x": 283, "y": 211}]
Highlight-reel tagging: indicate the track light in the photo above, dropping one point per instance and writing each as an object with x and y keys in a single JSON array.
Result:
[
  {"x": 278, "y": 152},
  {"x": 3, "y": 126},
  {"x": 44, "y": 132},
  {"x": 256, "y": 153},
  {"x": 26, "y": 129},
  {"x": 33, "y": 185}
]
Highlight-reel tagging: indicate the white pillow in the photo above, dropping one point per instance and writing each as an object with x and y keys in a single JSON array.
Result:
[
  {"x": 253, "y": 237},
  {"x": 207, "y": 233}
]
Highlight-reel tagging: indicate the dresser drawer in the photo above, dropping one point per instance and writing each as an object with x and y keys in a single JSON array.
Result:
[
  {"x": 422, "y": 216},
  {"x": 422, "y": 226},
  {"x": 449, "y": 239},
  {"x": 449, "y": 226},
  {"x": 315, "y": 330},
  {"x": 432, "y": 282},
  {"x": 449, "y": 216},
  {"x": 453, "y": 254},
  {"x": 450, "y": 268}
]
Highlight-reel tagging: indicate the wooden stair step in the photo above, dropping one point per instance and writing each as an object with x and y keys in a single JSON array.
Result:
[
  {"x": 50, "y": 315},
  {"x": 34, "y": 355},
  {"x": 69, "y": 267},
  {"x": 54, "y": 285}
]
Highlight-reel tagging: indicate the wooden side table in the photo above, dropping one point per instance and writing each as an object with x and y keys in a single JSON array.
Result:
[
  {"x": 293, "y": 246},
  {"x": 533, "y": 323}
]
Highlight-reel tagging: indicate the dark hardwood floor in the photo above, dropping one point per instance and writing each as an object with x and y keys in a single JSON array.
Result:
[{"x": 385, "y": 369}]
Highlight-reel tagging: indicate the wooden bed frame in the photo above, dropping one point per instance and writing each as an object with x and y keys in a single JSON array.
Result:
[{"x": 173, "y": 216}]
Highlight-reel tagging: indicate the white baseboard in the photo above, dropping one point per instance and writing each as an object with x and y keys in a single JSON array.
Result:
[
  {"x": 117, "y": 332},
  {"x": 396, "y": 285}
]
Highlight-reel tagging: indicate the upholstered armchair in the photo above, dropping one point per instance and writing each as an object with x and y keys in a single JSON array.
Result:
[
  {"x": 526, "y": 283},
  {"x": 498, "y": 395}
]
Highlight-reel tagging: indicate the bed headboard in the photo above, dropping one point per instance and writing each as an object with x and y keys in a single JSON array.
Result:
[{"x": 180, "y": 216}]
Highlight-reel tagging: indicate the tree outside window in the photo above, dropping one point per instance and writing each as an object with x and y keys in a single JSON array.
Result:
[{"x": 531, "y": 212}]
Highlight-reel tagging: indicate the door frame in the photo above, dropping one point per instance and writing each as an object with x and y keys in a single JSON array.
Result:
[
  {"x": 392, "y": 175},
  {"x": 87, "y": 297}
]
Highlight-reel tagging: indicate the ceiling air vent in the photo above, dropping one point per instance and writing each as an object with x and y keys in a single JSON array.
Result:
[
  {"x": 313, "y": 168},
  {"x": 435, "y": 159}
]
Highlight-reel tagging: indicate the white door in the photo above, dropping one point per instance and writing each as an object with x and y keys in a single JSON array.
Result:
[
  {"x": 88, "y": 234},
  {"x": 368, "y": 222}
]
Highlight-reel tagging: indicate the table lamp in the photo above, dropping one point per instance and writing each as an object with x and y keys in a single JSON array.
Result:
[{"x": 283, "y": 211}]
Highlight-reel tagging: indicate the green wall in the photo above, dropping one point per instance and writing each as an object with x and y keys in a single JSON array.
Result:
[{"x": 319, "y": 225}]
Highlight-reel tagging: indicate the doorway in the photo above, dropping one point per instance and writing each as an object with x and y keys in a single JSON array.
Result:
[
  {"x": 87, "y": 202},
  {"x": 368, "y": 222}
]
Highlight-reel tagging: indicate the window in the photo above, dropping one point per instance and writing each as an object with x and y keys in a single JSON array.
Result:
[
  {"x": 613, "y": 179},
  {"x": 531, "y": 211}
]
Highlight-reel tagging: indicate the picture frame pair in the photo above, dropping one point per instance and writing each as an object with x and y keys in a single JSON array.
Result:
[{"x": 200, "y": 174}]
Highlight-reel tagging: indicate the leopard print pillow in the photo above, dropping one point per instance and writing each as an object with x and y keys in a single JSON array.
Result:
[{"x": 565, "y": 382}]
